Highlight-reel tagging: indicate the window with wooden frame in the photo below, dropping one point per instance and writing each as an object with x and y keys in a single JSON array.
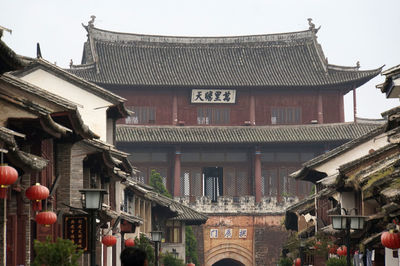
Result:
[
  {"x": 173, "y": 231},
  {"x": 236, "y": 182},
  {"x": 141, "y": 115},
  {"x": 213, "y": 115},
  {"x": 276, "y": 180},
  {"x": 128, "y": 205},
  {"x": 191, "y": 183},
  {"x": 285, "y": 115}
]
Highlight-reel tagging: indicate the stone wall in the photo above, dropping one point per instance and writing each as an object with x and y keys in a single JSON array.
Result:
[{"x": 242, "y": 205}]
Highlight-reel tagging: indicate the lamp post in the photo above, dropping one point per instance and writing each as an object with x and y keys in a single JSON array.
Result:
[
  {"x": 156, "y": 238},
  {"x": 174, "y": 253},
  {"x": 301, "y": 252},
  {"x": 92, "y": 200},
  {"x": 348, "y": 222}
]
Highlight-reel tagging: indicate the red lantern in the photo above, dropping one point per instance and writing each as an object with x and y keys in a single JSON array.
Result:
[
  {"x": 8, "y": 176},
  {"x": 390, "y": 239},
  {"x": 46, "y": 218},
  {"x": 190, "y": 264},
  {"x": 342, "y": 251},
  {"x": 297, "y": 262},
  {"x": 37, "y": 193},
  {"x": 130, "y": 242},
  {"x": 109, "y": 240}
]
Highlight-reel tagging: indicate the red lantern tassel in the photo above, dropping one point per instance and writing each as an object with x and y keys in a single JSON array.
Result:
[
  {"x": 37, "y": 205},
  {"x": 3, "y": 192}
]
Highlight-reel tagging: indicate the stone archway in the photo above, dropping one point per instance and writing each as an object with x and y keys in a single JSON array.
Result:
[
  {"x": 228, "y": 252},
  {"x": 228, "y": 262}
]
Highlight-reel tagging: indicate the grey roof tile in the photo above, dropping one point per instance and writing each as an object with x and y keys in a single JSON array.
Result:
[
  {"x": 286, "y": 59},
  {"x": 242, "y": 134}
]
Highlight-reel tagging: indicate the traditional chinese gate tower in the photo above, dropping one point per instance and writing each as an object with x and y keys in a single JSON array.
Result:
[{"x": 224, "y": 120}]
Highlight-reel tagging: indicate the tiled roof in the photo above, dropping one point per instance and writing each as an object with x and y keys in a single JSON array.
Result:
[
  {"x": 9, "y": 60},
  {"x": 241, "y": 134},
  {"x": 276, "y": 60},
  {"x": 117, "y": 101},
  {"x": 183, "y": 212}
]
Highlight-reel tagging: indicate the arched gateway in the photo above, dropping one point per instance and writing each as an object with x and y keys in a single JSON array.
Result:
[
  {"x": 228, "y": 254},
  {"x": 228, "y": 262}
]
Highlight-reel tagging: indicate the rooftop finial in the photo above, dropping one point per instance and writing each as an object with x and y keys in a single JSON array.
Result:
[
  {"x": 358, "y": 64},
  {"x": 91, "y": 21},
  {"x": 312, "y": 26},
  {"x": 38, "y": 52}
]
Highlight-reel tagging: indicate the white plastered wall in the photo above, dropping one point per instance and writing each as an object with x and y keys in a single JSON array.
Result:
[{"x": 91, "y": 107}]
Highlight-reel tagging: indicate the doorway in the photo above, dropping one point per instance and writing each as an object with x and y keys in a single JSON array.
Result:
[
  {"x": 228, "y": 262},
  {"x": 213, "y": 182}
]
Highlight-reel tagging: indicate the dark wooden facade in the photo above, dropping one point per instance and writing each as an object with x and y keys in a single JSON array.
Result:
[{"x": 322, "y": 107}]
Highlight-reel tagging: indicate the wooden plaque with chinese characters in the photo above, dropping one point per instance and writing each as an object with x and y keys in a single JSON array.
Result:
[
  {"x": 76, "y": 229},
  {"x": 213, "y": 96}
]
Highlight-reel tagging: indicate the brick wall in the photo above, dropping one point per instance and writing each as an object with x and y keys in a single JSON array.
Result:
[
  {"x": 198, "y": 234},
  {"x": 267, "y": 252}
]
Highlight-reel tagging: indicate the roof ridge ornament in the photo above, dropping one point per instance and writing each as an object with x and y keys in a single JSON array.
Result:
[
  {"x": 91, "y": 21},
  {"x": 312, "y": 26}
]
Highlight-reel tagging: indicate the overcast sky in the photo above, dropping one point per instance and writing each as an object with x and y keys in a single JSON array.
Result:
[{"x": 351, "y": 31}]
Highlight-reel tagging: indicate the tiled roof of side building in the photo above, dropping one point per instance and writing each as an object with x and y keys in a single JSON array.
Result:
[
  {"x": 242, "y": 134},
  {"x": 292, "y": 59}
]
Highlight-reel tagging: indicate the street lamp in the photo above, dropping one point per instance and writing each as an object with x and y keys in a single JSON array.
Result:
[
  {"x": 92, "y": 200},
  {"x": 348, "y": 222},
  {"x": 156, "y": 238},
  {"x": 174, "y": 253}
]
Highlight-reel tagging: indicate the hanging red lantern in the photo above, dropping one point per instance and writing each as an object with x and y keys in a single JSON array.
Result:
[
  {"x": 37, "y": 193},
  {"x": 8, "y": 176},
  {"x": 46, "y": 218},
  {"x": 297, "y": 262},
  {"x": 130, "y": 242},
  {"x": 109, "y": 240},
  {"x": 342, "y": 251},
  {"x": 391, "y": 239}
]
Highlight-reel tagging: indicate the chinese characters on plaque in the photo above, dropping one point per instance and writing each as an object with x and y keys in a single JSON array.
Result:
[
  {"x": 214, "y": 233},
  {"x": 242, "y": 233},
  {"x": 213, "y": 96},
  {"x": 76, "y": 229},
  {"x": 229, "y": 233}
]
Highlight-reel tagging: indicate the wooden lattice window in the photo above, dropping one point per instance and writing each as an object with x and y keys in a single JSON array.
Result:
[
  {"x": 213, "y": 116},
  {"x": 236, "y": 182},
  {"x": 174, "y": 231},
  {"x": 285, "y": 115},
  {"x": 191, "y": 183},
  {"x": 141, "y": 115},
  {"x": 270, "y": 181}
]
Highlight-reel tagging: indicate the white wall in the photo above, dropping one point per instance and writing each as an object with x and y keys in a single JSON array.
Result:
[
  {"x": 347, "y": 199},
  {"x": 389, "y": 260},
  {"x": 91, "y": 107},
  {"x": 331, "y": 166}
]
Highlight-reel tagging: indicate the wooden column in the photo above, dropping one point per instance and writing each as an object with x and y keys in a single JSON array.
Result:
[
  {"x": 257, "y": 174},
  {"x": 252, "y": 110},
  {"x": 177, "y": 173},
  {"x": 175, "y": 109},
  {"x": 355, "y": 104},
  {"x": 320, "y": 109},
  {"x": 341, "y": 106}
]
